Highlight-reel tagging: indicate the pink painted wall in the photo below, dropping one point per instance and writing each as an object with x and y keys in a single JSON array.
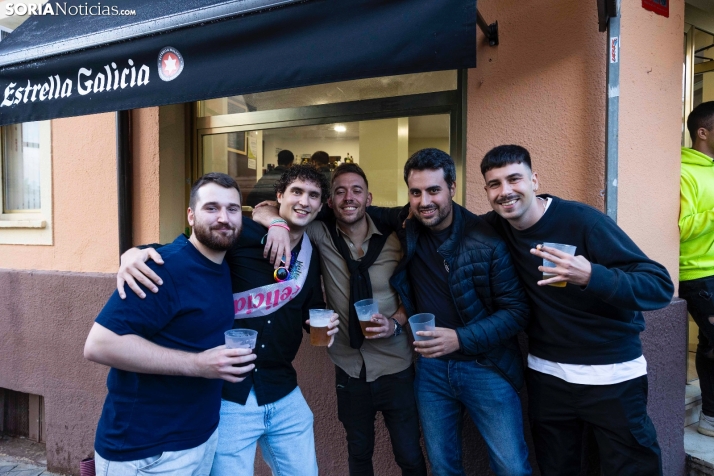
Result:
[
  {"x": 44, "y": 319},
  {"x": 542, "y": 88},
  {"x": 145, "y": 128},
  {"x": 650, "y": 114},
  {"x": 84, "y": 192}
]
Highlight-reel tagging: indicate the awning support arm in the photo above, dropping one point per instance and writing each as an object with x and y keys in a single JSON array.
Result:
[{"x": 490, "y": 31}]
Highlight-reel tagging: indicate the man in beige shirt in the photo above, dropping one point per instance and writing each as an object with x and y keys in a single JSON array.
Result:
[{"x": 375, "y": 373}]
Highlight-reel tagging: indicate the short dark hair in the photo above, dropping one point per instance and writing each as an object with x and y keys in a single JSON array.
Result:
[
  {"x": 701, "y": 116},
  {"x": 505, "y": 155},
  {"x": 224, "y": 180},
  {"x": 306, "y": 172},
  {"x": 320, "y": 158},
  {"x": 349, "y": 169},
  {"x": 285, "y": 157},
  {"x": 431, "y": 159}
]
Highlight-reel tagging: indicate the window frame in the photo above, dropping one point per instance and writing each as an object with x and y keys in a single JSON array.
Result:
[
  {"x": 30, "y": 227},
  {"x": 452, "y": 102}
]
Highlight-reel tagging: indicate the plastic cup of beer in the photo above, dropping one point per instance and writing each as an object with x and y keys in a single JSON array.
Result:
[
  {"x": 570, "y": 249},
  {"x": 365, "y": 309},
  {"x": 241, "y": 338},
  {"x": 319, "y": 320},
  {"x": 422, "y": 322}
]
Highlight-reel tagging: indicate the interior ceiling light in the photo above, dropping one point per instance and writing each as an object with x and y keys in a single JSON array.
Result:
[{"x": 340, "y": 128}]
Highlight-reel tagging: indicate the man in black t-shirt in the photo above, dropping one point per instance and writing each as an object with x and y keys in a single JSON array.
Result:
[
  {"x": 267, "y": 408},
  {"x": 585, "y": 362},
  {"x": 456, "y": 267}
]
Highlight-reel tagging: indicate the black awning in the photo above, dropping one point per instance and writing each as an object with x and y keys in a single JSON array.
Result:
[{"x": 172, "y": 52}]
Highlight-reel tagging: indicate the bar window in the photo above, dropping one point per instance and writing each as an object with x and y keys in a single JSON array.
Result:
[
  {"x": 26, "y": 184},
  {"x": 21, "y": 168}
]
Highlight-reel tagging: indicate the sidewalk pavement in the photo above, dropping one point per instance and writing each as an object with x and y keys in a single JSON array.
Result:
[{"x": 12, "y": 466}]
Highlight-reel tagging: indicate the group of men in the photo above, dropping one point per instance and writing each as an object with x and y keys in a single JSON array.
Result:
[{"x": 481, "y": 276}]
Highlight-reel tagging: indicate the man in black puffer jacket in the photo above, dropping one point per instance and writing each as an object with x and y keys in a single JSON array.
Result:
[{"x": 456, "y": 267}]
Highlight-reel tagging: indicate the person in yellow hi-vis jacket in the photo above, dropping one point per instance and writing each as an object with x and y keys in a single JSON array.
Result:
[{"x": 696, "y": 248}]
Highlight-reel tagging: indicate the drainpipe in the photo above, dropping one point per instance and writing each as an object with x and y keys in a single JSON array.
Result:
[
  {"x": 124, "y": 179},
  {"x": 613, "y": 108}
]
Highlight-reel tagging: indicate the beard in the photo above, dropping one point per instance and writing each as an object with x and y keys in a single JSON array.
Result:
[
  {"x": 211, "y": 237},
  {"x": 441, "y": 215}
]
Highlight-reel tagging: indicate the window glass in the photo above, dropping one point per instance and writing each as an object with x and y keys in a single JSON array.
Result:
[
  {"x": 21, "y": 167},
  {"x": 331, "y": 93},
  {"x": 380, "y": 147},
  {"x": 703, "y": 90}
]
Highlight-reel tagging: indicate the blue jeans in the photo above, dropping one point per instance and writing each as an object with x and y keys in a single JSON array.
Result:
[
  {"x": 443, "y": 389},
  {"x": 191, "y": 462},
  {"x": 283, "y": 429}
]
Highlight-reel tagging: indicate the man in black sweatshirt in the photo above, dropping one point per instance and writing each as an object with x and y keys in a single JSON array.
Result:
[{"x": 585, "y": 361}]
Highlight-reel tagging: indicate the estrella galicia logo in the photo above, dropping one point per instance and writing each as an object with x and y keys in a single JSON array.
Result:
[{"x": 170, "y": 63}]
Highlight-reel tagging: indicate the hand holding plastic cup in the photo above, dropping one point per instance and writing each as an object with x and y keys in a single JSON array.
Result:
[
  {"x": 422, "y": 322},
  {"x": 365, "y": 309},
  {"x": 319, "y": 320},
  {"x": 241, "y": 339},
  {"x": 569, "y": 249}
]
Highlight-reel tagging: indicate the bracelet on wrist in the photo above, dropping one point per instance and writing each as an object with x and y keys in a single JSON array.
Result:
[{"x": 280, "y": 225}]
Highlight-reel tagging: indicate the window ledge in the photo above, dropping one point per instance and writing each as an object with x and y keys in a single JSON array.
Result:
[{"x": 23, "y": 224}]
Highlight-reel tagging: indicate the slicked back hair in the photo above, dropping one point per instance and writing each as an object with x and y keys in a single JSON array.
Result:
[
  {"x": 431, "y": 159},
  {"x": 349, "y": 169},
  {"x": 701, "y": 116},
  {"x": 505, "y": 155},
  {"x": 224, "y": 180},
  {"x": 306, "y": 172}
]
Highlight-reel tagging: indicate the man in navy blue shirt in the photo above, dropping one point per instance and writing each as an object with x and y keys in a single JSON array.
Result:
[
  {"x": 585, "y": 361},
  {"x": 166, "y": 353},
  {"x": 267, "y": 408}
]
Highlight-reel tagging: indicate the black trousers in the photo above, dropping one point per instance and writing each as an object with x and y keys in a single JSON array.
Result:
[
  {"x": 617, "y": 413},
  {"x": 358, "y": 402},
  {"x": 699, "y": 294}
]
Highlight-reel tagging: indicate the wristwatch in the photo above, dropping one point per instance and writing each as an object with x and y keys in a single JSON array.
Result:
[{"x": 397, "y": 328}]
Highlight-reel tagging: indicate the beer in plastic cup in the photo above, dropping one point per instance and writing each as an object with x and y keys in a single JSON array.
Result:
[
  {"x": 241, "y": 338},
  {"x": 365, "y": 309},
  {"x": 570, "y": 249},
  {"x": 422, "y": 322},
  {"x": 319, "y": 320}
]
